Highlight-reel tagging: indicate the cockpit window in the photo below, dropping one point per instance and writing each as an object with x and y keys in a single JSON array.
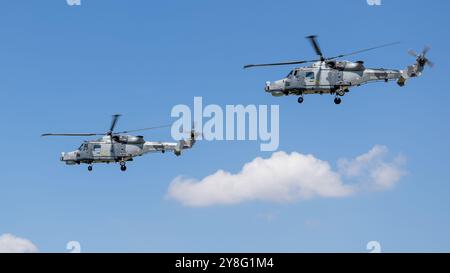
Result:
[
  {"x": 83, "y": 147},
  {"x": 290, "y": 74},
  {"x": 309, "y": 75}
]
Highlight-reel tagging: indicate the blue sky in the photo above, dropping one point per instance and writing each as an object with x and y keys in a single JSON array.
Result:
[{"x": 66, "y": 68}]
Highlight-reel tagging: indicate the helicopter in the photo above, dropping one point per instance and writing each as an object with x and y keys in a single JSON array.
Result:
[
  {"x": 336, "y": 77},
  {"x": 119, "y": 147}
]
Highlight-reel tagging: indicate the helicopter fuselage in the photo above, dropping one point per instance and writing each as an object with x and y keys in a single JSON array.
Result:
[
  {"x": 329, "y": 78},
  {"x": 119, "y": 150},
  {"x": 335, "y": 76},
  {"x": 119, "y": 146}
]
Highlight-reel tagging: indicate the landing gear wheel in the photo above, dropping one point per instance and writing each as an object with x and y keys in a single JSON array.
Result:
[
  {"x": 300, "y": 99},
  {"x": 123, "y": 168},
  {"x": 337, "y": 100},
  {"x": 90, "y": 168}
]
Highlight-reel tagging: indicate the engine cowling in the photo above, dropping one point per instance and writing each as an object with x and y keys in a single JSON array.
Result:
[
  {"x": 130, "y": 139},
  {"x": 348, "y": 66}
]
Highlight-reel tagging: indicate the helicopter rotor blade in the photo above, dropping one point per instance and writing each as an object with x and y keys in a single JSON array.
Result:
[
  {"x": 413, "y": 53},
  {"x": 315, "y": 45},
  {"x": 425, "y": 60},
  {"x": 113, "y": 152},
  {"x": 421, "y": 58},
  {"x": 70, "y": 134},
  {"x": 110, "y": 133},
  {"x": 363, "y": 50},
  {"x": 144, "y": 129},
  {"x": 283, "y": 63},
  {"x": 113, "y": 123}
]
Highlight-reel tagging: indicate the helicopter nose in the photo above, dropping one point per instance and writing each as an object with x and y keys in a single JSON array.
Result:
[
  {"x": 66, "y": 156},
  {"x": 271, "y": 87},
  {"x": 70, "y": 156},
  {"x": 275, "y": 88}
]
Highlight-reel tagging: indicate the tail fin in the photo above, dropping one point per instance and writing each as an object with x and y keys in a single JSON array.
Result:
[
  {"x": 416, "y": 69},
  {"x": 189, "y": 143},
  {"x": 186, "y": 143}
]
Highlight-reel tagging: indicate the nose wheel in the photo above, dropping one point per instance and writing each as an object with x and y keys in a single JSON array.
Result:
[
  {"x": 90, "y": 168},
  {"x": 300, "y": 99},
  {"x": 337, "y": 100},
  {"x": 123, "y": 167}
]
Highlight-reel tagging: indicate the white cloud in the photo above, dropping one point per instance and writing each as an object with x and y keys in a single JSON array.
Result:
[
  {"x": 371, "y": 170},
  {"x": 290, "y": 177},
  {"x": 12, "y": 244}
]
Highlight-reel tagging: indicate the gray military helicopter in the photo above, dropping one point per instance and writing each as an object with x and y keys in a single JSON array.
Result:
[
  {"x": 336, "y": 77},
  {"x": 120, "y": 147}
]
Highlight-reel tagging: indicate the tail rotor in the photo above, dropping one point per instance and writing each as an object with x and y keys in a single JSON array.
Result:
[
  {"x": 416, "y": 69},
  {"x": 421, "y": 58}
]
